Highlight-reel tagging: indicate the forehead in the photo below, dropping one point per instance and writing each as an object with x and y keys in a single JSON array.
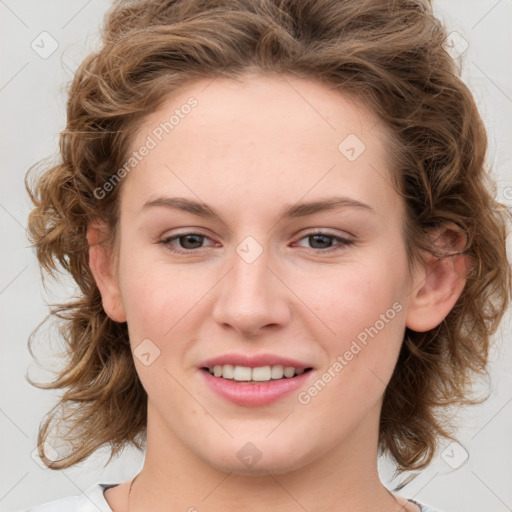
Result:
[
  {"x": 261, "y": 135},
  {"x": 256, "y": 107}
]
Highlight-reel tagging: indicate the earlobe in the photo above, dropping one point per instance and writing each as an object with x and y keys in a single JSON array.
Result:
[
  {"x": 101, "y": 262},
  {"x": 439, "y": 283}
]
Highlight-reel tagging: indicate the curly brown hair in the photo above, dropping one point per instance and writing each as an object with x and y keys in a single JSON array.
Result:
[{"x": 390, "y": 54}]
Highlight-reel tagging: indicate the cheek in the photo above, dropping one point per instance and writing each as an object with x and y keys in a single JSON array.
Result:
[
  {"x": 148, "y": 289},
  {"x": 349, "y": 298},
  {"x": 363, "y": 304},
  {"x": 153, "y": 304}
]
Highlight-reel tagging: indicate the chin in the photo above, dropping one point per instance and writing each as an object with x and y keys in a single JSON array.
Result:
[{"x": 259, "y": 457}]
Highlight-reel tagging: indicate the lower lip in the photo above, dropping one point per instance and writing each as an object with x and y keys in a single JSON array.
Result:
[{"x": 247, "y": 394}]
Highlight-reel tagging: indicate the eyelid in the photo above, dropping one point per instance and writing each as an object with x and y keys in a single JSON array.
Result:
[
  {"x": 190, "y": 231},
  {"x": 341, "y": 241},
  {"x": 306, "y": 232},
  {"x": 325, "y": 231}
]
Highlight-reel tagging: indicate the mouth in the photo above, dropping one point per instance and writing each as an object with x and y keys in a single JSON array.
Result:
[
  {"x": 254, "y": 375},
  {"x": 254, "y": 380}
]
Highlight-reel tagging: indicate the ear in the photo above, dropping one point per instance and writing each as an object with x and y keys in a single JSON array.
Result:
[
  {"x": 102, "y": 264},
  {"x": 439, "y": 282}
]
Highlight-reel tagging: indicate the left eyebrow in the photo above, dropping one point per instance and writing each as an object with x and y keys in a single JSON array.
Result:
[
  {"x": 296, "y": 210},
  {"x": 309, "y": 208}
]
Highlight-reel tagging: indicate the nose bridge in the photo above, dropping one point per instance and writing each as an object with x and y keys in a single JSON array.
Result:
[
  {"x": 250, "y": 297},
  {"x": 250, "y": 278}
]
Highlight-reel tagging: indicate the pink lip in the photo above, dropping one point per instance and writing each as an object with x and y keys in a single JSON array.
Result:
[
  {"x": 247, "y": 394},
  {"x": 253, "y": 361}
]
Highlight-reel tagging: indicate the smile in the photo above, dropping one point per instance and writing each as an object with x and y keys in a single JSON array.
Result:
[{"x": 256, "y": 374}]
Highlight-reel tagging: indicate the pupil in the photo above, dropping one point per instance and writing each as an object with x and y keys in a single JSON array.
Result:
[
  {"x": 187, "y": 238},
  {"x": 316, "y": 238}
]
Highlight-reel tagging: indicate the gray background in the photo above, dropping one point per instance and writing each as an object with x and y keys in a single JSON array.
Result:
[{"x": 475, "y": 475}]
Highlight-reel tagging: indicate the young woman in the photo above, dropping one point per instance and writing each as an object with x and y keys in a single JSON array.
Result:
[{"x": 288, "y": 260}]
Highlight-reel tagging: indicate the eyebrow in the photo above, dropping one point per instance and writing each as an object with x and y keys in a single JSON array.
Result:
[{"x": 288, "y": 212}]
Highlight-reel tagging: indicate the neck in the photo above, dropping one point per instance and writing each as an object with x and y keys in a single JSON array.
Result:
[{"x": 344, "y": 479}]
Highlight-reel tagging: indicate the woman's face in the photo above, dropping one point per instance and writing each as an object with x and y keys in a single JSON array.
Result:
[{"x": 260, "y": 229}]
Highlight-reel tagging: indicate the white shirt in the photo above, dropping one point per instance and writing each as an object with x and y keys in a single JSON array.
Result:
[{"x": 93, "y": 500}]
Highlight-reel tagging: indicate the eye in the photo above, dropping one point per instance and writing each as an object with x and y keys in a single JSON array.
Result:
[
  {"x": 324, "y": 242},
  {"x": 187, "y": 242}
]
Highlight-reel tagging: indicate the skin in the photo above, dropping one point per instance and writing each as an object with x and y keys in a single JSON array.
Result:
[{"x": 249, "y": 148}]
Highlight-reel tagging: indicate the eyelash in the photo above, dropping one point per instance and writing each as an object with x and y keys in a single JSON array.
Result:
[{"x": 345, "y": 242}]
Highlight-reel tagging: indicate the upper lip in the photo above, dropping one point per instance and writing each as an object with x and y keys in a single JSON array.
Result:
[{"x": 253, "y": 361}]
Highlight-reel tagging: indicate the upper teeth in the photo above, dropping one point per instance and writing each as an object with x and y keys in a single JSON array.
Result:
[{"x": 260, "y": 373}]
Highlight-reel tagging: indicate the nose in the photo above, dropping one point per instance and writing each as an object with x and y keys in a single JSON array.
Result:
[{"x": 251, "y": 300}]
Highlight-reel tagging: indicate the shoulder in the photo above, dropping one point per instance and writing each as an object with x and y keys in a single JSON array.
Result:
[{"x": 92, "y": 500}]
